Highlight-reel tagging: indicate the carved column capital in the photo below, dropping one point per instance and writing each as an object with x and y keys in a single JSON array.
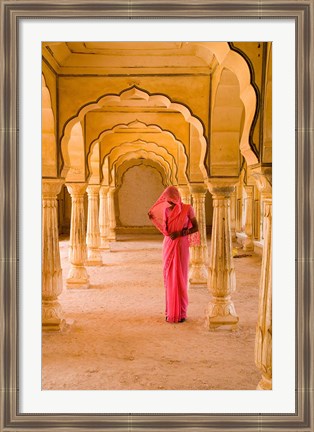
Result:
[
  {"x": 76, "y": 189},
  {"x": 221, "y": 192},
  {"x": 93, "y": 189},
  {"x": 51, "y": 187},
  {"x": 263, "y": 179},
  {"x": 222, "y": 187},
  {"x": 198, "y": 188},
  {"x": 103, "y": 191},
  {"x": 249, "y": 190},
  {"x": 111, "y": 190}
]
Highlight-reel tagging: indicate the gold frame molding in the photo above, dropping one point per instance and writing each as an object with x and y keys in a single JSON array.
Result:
[{"x": 12, "y": 11}]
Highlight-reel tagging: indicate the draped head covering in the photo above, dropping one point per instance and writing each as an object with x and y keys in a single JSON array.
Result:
[{"x": 157, "y": 213}]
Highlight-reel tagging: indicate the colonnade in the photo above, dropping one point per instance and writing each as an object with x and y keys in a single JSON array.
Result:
[{"x": 217, "y": 271}]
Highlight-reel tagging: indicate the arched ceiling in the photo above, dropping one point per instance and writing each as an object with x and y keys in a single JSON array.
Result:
[
  {"x": 136, "y": 97},
  {"x": 127, "y": 161},
  {"x": 139, "y": 80},
  {"x": 73, "y": 57},
  {"x": 49, "y": 145}
]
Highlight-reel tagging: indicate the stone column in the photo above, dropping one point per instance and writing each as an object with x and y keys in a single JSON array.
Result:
[
  {"x": 221, "y": 272},
  {"x": 78, "y": 277},
  {"x": 263, "y": 342},
  {"x": 248, "y": 244},
  {"x": 112, "y": 215},
  {"x": 239, "y": 210},
  {"x": 93, "y": 233},
  {"x": 103, "y": 217},
  {"x": 185, "y": 194},
  {"x": 233, "y": 215},
  {"x": 199, "y": 254},
  {"x": 52, "y": 316}
]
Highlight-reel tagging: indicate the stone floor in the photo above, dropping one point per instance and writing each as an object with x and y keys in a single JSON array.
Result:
[{"x": 117, "y": 337}]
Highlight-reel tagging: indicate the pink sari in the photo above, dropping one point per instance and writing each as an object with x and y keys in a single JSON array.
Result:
[{"x": 175, "y": 252}]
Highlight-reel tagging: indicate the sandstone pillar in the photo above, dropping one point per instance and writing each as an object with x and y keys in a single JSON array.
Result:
[
  {"x": 103, "y": 217},
  {"x": 185, "y": 194},
  {"x": 263, "y": 342},
  {"x": 233, "y": 215},
  {"x": 112, "y": 215},
  {"x": 199, "y": 254},
  {"x": 248, "y": 244},
  {"x": 78, "y": 277},
  {"x": 221, "y": 272},
  {"x": 93, "y": 233},
  {"x": 239, "y": 209},
  {"x": 52, "y": 316}
]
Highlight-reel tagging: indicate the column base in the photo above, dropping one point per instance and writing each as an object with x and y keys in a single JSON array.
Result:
[
  {"x": 104, "y": 243},
  {"x": 112, "y": 235},
  {"x": 265, "y": 384},
  {"x": 77, "y": 283},
  {"x": 78, "y": 278},
  {"x": 52, "y": 316},
  {"x": 64, "y": 326},
  {"x": 221, "y": 312},
  {"x": 248, "y": 245},
  {"x": 93, "y": 258},
  {"x": 198, "y": 275},
  {"x": 93, "y": 263},
  {"x": 53, "y": 327}
]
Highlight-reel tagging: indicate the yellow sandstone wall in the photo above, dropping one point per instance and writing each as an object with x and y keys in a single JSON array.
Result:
[{"x": 141, "y": 186}]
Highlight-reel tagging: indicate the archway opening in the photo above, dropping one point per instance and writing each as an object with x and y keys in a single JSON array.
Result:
[{"x": 141, "y": 185}]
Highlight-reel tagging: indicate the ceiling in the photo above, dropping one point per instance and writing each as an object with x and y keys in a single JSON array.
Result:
[{"x": 122, "y": 57}]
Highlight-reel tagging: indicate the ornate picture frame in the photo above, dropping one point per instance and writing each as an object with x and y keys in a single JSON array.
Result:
[{"x": 10, "y": 416}]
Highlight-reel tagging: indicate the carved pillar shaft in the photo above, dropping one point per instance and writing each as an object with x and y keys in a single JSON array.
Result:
[
  {"x": 199, "y": 254},
  {"x": 233, "y": 209},
  {"x": 248, "y": 244},
  {"x": 52, "y": 316},
  {"x": 103, "y": 217},
  {"x": 78, "y": 277},
  {"x": 221, "y": 272},
  {"x": 263, "y": 341},
  {"x": 263, "y": 344},
  {"x": 239, "y": 208},
  {"x": 93, "y": 233},
  {"x": 112, "y": 215}
]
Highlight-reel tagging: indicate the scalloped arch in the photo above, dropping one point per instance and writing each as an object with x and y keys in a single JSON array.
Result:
[
  {"x": 234, "y": 62},
  {"x": 170, "y": 138},
  {"x": 134, "y": 96},
  {"x": 127, "y": 162},
  {"x": 167, "y": 163},
  {"x": 49, "y": 143}
]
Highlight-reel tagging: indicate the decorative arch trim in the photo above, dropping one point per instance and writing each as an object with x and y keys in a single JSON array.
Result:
[{"x": 134, "y": 96}]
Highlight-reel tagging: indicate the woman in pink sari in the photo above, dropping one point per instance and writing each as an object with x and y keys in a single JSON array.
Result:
[{"x": 178, "y": 224}]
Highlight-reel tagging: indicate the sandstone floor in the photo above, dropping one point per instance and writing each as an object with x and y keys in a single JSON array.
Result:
[{"x": 117, "y": 338}]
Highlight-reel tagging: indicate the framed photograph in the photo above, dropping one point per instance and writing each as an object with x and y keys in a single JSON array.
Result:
[{"x": 36, "y": 36}]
